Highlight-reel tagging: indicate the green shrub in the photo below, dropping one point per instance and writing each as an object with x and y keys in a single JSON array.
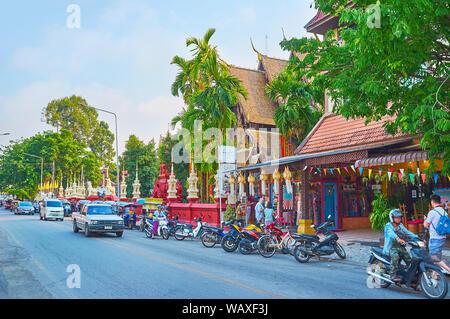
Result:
[
  {"x": 380, "y": 214},
  {"x": 230, "y": 213}
]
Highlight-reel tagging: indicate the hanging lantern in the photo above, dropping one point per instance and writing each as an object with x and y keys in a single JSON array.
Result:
[
  {"x": 276, "y": 179},
  {"x": 287, "y": 177},
  {"x": 241, "y": 181},
  {"x": 263, "y": 179},
  {"x": 251, "y": 184}
]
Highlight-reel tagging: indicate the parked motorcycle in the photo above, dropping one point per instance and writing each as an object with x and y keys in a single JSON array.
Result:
[
  {"x": 307, "y": 246},
  {"x": 172, "y": 226},
  {"x": 163, "y": 229},
  {"x": 422, "y": 271},
  {"x": 183, "y": 231},
  {"x": 230, "y": 242}
]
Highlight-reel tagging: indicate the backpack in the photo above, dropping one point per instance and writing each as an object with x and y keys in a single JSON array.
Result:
[{"x": 443, "y": 225}]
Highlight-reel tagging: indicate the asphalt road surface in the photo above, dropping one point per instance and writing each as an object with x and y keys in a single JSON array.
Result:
[{"x": 36, "y": 258}]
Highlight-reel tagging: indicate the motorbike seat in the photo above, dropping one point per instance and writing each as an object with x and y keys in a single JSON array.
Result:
[
  {"x": 308, "y": 237},
  {"x": 379, "y": 251}
]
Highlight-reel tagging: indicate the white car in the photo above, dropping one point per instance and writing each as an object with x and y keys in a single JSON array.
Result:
[
  {"x": 97, "y": 218},
  {"x": 52, "y": 209}
]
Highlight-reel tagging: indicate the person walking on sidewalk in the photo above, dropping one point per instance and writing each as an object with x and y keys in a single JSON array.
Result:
[
  {"x": 269, "y": 214},
  {"x": 437, "y": 241},
  {"x": 259, "y": 211}
]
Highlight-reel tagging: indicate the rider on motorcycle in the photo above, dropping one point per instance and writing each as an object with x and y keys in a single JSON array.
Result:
[
  {"x": 157, "y": 215},
  {"x": 395, "y": 236}
]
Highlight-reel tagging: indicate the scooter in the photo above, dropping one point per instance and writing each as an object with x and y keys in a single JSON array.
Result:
[
  {"x": 130, "y": 221},
  {"x": 307, "y": 246},
  {"x": 163, "y": 230},
  {"x": 249, "y": 241},
  {"x": 186, "y": 231},
  {"x": 422, "y": 271}
]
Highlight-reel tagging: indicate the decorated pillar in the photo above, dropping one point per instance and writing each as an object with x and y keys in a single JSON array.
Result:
[
  {"x": 305, "y": 218},
  {"x": 288, "y": 177},
  {"x": 276, "y": 181},
  {"x": 172, "y": 190},
  {"x": 232, "y": 196},
  {"x": 123, "y": 188},
  {"x": 193, "y": 189},
  {"x": 136, "y": 186}
]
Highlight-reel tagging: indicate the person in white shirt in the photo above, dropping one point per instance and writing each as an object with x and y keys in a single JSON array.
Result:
[{"x": 437, "y": 241}]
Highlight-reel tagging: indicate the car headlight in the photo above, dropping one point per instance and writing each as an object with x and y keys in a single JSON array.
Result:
[
  {"x": 93, "y": 222},
  {"x": 120, "y": 222}
]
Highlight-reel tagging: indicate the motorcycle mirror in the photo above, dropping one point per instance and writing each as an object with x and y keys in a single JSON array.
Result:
[{"x": 329, "y": 216}]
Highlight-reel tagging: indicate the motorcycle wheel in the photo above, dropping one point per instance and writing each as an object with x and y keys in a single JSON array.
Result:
[
  {"x": 165, "y": 233},
  {"x": 438, "y": 286},
  {"x": 339, "y": 251},
  {"x": 244, "y": 250},
  {"x": 209, "y": 239},
  {"x": 263, "y": 246},
  {"x": 229, "y": 244},
  {"x": 377, "y": 268},
  {"x": 300, "y": 255},
  {"x": 148, "y": 232},
  {"x": 178, "y": 233}
]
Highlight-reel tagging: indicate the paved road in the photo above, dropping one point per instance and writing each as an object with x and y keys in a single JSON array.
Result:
[{"x": 35, "y": 254}]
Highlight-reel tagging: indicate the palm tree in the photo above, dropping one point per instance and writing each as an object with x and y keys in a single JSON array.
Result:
[
  {"x": 208, "y": 90},
  {"x": 297, "y": 113}
]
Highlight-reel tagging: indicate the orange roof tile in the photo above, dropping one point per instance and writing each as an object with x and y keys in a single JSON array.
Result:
[{"x": 334, "y": 132}]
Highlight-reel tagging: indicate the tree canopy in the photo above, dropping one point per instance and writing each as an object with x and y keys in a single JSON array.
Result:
[{"x": 399, "y": 68}]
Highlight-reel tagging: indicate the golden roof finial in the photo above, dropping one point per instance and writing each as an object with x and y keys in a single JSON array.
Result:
[{"x": 259, "y": 54}]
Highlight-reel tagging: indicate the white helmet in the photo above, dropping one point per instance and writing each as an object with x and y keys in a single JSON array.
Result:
[{"x": 395, "y": 213}]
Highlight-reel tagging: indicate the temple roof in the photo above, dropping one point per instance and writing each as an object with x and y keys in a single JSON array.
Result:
[
  {"x": 272, "y": 66},
  {"x": 258, "y": 108},
  {"x": 334, "y": 132}
]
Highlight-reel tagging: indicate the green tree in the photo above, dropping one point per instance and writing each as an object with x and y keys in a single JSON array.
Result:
[
  {"x": 399, "y": 69},
  {"x": 209, "y": 91},
  {"x": 144, "y": 155},
  {"x": 82, "y": 121},
  {"x": 21, "y": 173},
  {"x": 297, "y": 114}
]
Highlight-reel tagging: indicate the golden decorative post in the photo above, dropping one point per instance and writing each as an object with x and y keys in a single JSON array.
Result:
[{"x": 251, "y": 184}]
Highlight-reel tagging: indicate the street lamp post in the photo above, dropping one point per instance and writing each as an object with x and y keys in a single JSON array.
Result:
[
  {"x": 117, "y": 148},
  {"x": 42, "y": 166}
]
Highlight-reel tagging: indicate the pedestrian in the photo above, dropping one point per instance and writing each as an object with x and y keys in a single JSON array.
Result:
[
  {"x": 269, "y": 214},
  {"x": 156, "y": 215},
  {"x": 259, "y": 211},
  {"x": 240, "y": 213},
  {"x": 437, "y": 241}
]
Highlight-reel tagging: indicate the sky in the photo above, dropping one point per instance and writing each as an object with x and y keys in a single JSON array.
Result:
[{"x": 119, "y": 57}]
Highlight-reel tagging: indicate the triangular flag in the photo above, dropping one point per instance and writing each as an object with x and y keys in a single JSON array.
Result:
[
  {"x": 319, "y": 170},
  {"x": 305, "y": 168},
  {"x": 345, "y": 167},
  {"x": 389, "y": 175},
  {"x": 353, "y": 168},
  {"x": 311, "y": 169},
  {"x": 400, "y": 176},
  {"x": 339, "y": 170},
  {"x": 370, "y": 172},
  {"x": 436, "y": 176},
  {"x": 423, "y": 178},
  {"x": 381, "y": 169},
  {"x": 331, "y": 171},
  {"x": 360, "y": 171},
  {"x": 402, "y": 170},
  {"x": 325, "y": 171},
  {"x": 418, "y": 171},
  {"x": 411, "y": 176}
]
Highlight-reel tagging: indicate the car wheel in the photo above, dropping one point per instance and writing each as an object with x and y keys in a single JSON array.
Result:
[
  {"x": 119, "y": 234},
  {"x": 87, "y": 232},
  {"x": 75, "y": 227}
]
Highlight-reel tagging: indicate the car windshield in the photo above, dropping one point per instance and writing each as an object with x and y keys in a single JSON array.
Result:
[
  {"x": 25, "y": 204},
  {"x": 54, "y": 203},
  {"x": 99, "y": 210}
]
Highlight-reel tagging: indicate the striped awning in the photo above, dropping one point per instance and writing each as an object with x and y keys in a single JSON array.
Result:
[{"x": 393, "y": 159}]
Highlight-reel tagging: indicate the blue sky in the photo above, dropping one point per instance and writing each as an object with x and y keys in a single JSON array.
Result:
[{"x": 120, "y": 57}]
